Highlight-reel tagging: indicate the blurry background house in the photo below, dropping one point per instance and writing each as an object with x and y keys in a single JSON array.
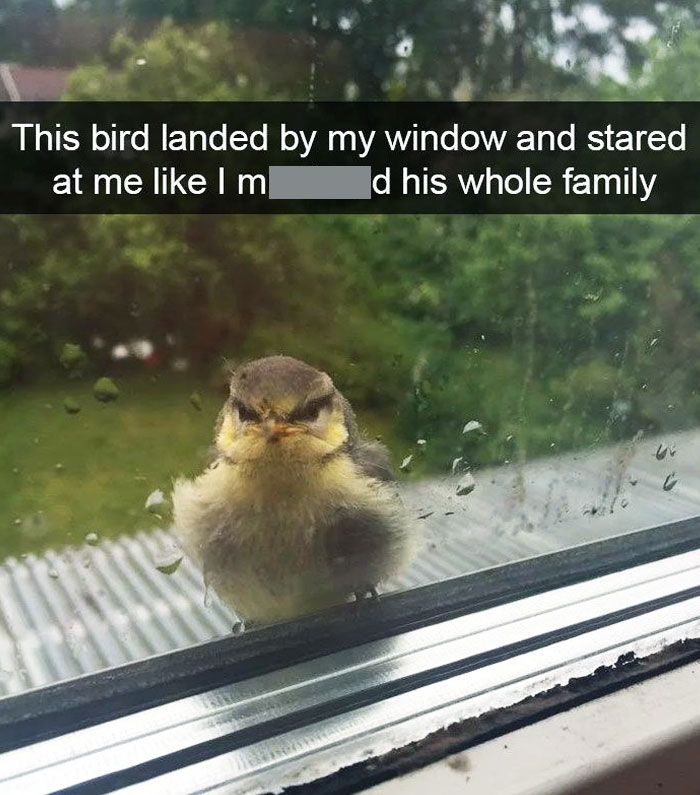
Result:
[{"x": 31, "y": 83}]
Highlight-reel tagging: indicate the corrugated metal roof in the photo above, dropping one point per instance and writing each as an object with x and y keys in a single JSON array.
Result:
[{"x": 80, "y": 609}]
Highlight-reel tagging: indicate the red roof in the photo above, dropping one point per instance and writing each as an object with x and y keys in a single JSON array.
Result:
[{"x": 32, "y": 83}]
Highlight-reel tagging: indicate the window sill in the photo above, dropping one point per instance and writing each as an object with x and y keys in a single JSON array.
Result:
[{"x": 334, "y": 696}]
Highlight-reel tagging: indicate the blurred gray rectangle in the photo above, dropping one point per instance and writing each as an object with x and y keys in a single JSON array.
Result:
[{"x": 320, "y": 182}]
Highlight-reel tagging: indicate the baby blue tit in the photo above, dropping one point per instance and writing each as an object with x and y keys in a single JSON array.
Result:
[{"x": 298, "y": 511}]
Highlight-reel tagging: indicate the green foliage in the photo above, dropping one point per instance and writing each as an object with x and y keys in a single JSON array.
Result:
[{"x": 173, "y": 63}]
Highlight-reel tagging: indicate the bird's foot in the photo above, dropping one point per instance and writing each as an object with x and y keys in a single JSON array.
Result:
[{"x": 368, "y": 592}]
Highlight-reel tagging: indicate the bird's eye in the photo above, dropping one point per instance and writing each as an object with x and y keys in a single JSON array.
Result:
[
  {"x": 245, "y": 413},
  {"x": 309, "y": 411}
]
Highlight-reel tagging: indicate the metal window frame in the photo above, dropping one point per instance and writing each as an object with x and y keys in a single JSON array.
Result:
[{"x": 63, "y": 708}]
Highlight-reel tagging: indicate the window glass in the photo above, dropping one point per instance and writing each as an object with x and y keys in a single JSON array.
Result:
[{"x": 534, "y": 378}]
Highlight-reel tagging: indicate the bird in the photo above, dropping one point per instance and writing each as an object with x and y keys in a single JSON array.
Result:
[{"x": 298, "y": 510}]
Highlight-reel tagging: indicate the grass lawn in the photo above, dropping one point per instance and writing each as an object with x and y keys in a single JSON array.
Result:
[{"x": 65, "y": 475}]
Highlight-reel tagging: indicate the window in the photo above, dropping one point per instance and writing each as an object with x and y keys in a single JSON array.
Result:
[{"x": 534, "y": 379}]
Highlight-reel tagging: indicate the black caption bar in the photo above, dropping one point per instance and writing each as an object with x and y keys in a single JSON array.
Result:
[{"x": 482, "y": 157}]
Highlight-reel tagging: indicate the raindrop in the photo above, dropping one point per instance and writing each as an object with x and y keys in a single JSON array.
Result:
[
  {"x": 72, "y": 357},
  {"x": 53, "y": 574},
  {"x": 169, "y": 563},
  {"x": 568, "y": 63},
  {"x": 140, "y": 62},
  {"x": 155, "y": 501},
  {"x": 59, "y": 467},
  {"x": 466, "y": 485},
  {"x": 421, "y": 442},
  {"x": 633, "y": 481},
  {"x": 17, "y": 522},
  {"x": 71, "y": 406},
  {"x": 86, "y": 562},
  {"x": 406, "y": 464},
  {"x": 455, "y": 464},
  {"x": 196, "y": 400},
  {"x": 473, "y": 425},
  {"x": 624, "y": 503},
  {"x": 673, "y": 35},
  {"x": 92, "y": 539},
  {"x": 661, "y": 451},
  {"x": 426, "y": 515},
  {"x": 105, "y": 390},
  {"x": 672, "y": 450},
  {"x": 670, "y": 481}
]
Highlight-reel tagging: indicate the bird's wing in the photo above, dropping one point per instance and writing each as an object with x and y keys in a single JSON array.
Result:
[
  {"x": 362, "y": 547},
  {"x": 373, "y": 459}
]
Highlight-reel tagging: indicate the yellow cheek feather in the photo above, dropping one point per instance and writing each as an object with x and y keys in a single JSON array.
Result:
[
  {"x": 335, "y": 432},
  {"x": 227, "y": 433}
]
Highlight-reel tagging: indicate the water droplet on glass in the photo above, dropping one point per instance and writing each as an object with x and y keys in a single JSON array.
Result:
[
  {"x": 654, "y": 342},
  {"x": 466, "y": 485},
  {"x": 672, "y": 450},
  {"x": 170, "y": 562},
  {"x": 421, "y": 442},
  {"x": 455, "y": 464},
  {"x": 624, "y": 503},
  {"x": 155, "y": 501},
  {"x": 670, "y": 481},
  {"x": 473, "y": 425},
  {"x": 53, "y": 574},
  {"x": 406, "y": 464},
  {"x": 633, "y": 481},
  {"x": 59, "y": 467},
  {"x": 661, "y": 451},
  {"x": 71, "y": 406},
  {"x": 105, "y": 390},
  {"x": 72, "y": 357},
  {"x": 92, "y": 539},
  {"x": 196, "y": 400},
  {"x": 140, "y": 62}
]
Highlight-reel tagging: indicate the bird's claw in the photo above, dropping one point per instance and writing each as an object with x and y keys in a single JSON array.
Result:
[{"x": 369, "y": 592}]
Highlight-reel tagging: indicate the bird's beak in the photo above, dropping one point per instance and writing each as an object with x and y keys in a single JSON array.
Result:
[{"x": 273, "y": 430}]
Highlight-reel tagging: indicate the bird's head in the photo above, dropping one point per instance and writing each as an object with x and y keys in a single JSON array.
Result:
[{"x": 282, "y": 410}]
